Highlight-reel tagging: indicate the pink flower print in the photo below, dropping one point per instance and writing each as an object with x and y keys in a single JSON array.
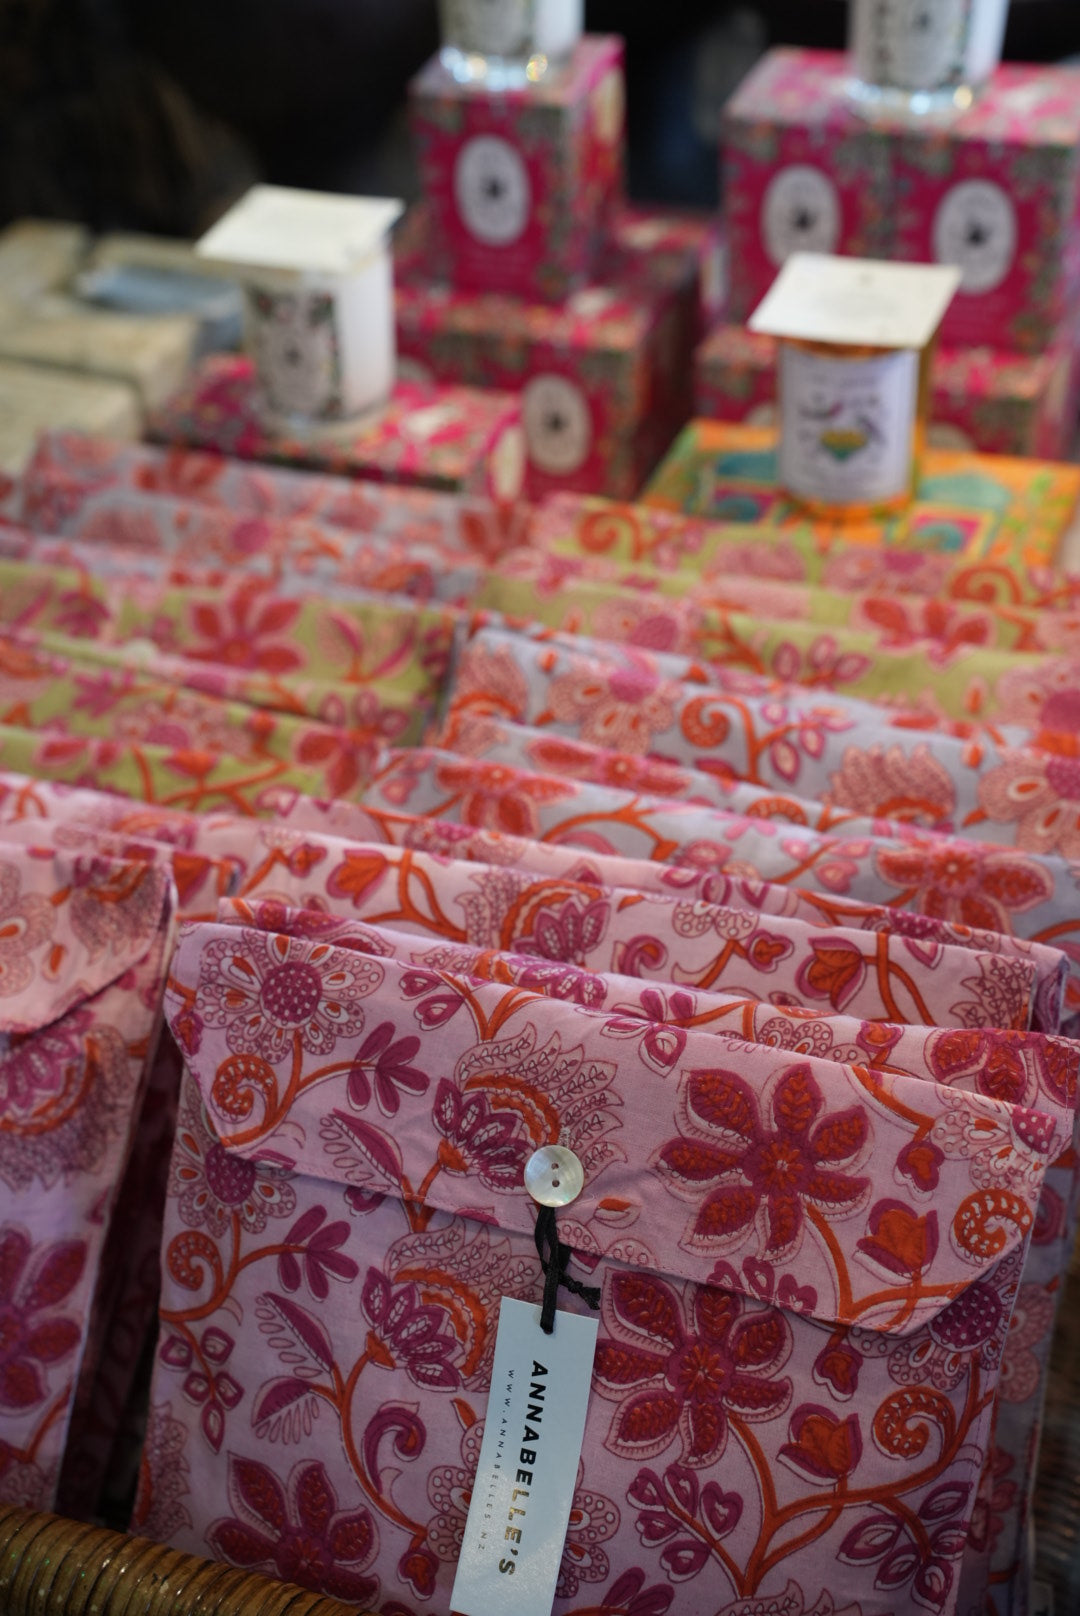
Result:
[
  {"x": 737, "y": 1171},
  {"x": 1030, "y": 1326},
  {"x": 268, "y": 992},
  {"x": 1044, "y": 698},
  {"x": 35, "y": 1063},
  {"x": 213, "y": 1185},
  {"x": 822, "y": 663},
  {"x": 409, "y": 1334},
  {"x": 495, "y": 797},
  {"x": 33, "y": 1337},
  {"x": 966, "y": 883},
  {"x": 246, "y": 631},
  {"x": 677, "y": 1365},
  {"x": 1039, "y": 793},
  {"x": 381, "y": 1065},
  {"x": 670, "y": 1504},
  {"x": 997, "y": 1497},
  {"x": 320, "y": 1254},
  {"x": 970, "y": 1330},
  {"x": 894, "y": 783},
  {"x": 297, "y": 1532},
  {"x": 568, "y": 934},
  {"x": 799, "y": 730},
  {"x": 480, "y": 1139},
  {"x": 622, "y": 708},
  {"x": 558, "y": 981},
  {"x": 594, "y": 1519},
  {"x": 26, "y": 921}
]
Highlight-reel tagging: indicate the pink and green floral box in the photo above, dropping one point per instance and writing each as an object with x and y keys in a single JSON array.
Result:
[
  {"x": 604, "y": 376},
  {"x": 457, "y": 439},
  {"x": 980, "y": 508},
  {"x": 522, "y": 184},
  {"x": 982, "y": 398},
  {"x": 995, "y": 191}
]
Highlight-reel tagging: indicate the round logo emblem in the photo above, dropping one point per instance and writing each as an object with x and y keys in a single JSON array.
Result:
[
  {"x": 558, "y": 425},
  {"x": 800, "y": 213},
  {"x": 492, "y": 191},
  {"x": 975, "y": 228}
]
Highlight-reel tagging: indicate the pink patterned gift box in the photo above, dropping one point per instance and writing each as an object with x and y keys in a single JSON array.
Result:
[
  {"x": 982, "y": 398},
  {"x": 69, "y": 468},
  {"x": 604, "y": 374},
  {"x": 87, "y": 940},
  {"x": 522, "y": 184},
  {"x": 678, "y": 249},
  {"x": 996, "y": 190},
  {"x": 454, "y": 439},
  {"x": 779, "y": 1372}
]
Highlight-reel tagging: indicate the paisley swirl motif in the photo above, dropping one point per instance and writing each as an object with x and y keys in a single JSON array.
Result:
[
  {"x": 189, "y": 1257},
  {"x": 704, "y": 724},
  {"x": 903, "y": 1422},
  {"x": 600, "y": 532},
  {"x": 988, "y": 1221},
  {"x": 239, "y": 1082}
]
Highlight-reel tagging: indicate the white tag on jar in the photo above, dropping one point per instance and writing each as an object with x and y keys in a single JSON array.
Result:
[
  {"x": 847, "y": 425},
  {"x": 524, "y": 1484}
]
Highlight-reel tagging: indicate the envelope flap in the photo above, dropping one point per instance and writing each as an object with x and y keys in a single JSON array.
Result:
[
  {"x": 859, "y": 1198},
  {"x": 70, "y": 924}
]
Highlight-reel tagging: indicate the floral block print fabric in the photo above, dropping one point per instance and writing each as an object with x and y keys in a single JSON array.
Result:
[
  {"x": 1022, "y": 1068},
  {"x": 83, "y": 956},
  {"x": 68, "y": 697},
  {"x": 938, "y": 564},
  {"x": 788, "y": 1386},
  {"x": 67, "y": 468},
  {"x": 462, "y": 440},
  {"x": 324, "y": 860},
  {"x": 954, "y": 677},
  {"x": 201, "y": 546},
  {"x": 877, "y": 975},
  {"x": 1011, "y": 784},
  {"x": 896, "y": 619},
  {"x": 366, "y": 640},
  {"x": 865, "y": 861},
  {"x": 1021, "y": 508}
]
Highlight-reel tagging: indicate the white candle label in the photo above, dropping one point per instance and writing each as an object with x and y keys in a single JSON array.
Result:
[
  {"x": 524, "y": 1484},
  {"x": 492, "y": 190},
  {"x": 847, "y": 425},
  {"x": 975, "y": 228},
  {"x": 912, "y": 44},
  {"x": 490, "y": 27},
  {"x": 800, "y": 213},
  {"x": 558, "y": 425},
  {"x": 295, "y": 342}
]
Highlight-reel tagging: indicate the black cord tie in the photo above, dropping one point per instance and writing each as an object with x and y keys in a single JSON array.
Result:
[{"x": 554, "y": 1257}]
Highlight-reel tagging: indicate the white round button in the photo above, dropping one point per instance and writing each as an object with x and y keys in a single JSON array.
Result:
[{"x": 554, "y": 1176}]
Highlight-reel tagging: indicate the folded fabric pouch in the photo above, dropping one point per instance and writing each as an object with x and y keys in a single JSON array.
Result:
[
  {"x": 1030, "y": 899},
  {"x": 799, "y": 1348},
  {"x": 576, "y": 524},
  {"x": 1024, "y": 1068},
  {"x": 68, "y": 468},
  {"x": 174, "y": 540},
  {"x": 877, "y": 975},
  {"x": 84, "y": 949}
]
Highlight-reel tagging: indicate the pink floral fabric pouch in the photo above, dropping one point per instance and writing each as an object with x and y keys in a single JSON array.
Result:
[
  {"x": 794, "y": 1385},
  {"x": 84, "y": 952}
]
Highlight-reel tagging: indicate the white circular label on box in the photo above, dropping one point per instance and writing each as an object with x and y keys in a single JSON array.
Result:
[
  {"x": 800, "y": 213},
  {"x": 975, "y": 228},
  {"x": 558, "y": 425},
  {"x": 492, "y": 190}
]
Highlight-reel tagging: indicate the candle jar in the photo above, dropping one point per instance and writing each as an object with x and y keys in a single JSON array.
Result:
[
  {"x": 923, "y": 56},
  {"x": 317, "y": 277},
  {"x": 506, "y": 44},
  {"x": 856, "y": 340},
  {"x": 852, "y": 426}
]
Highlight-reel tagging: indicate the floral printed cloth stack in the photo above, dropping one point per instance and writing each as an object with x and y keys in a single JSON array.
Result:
[
  {"x": 85, "y": 949},
  {"x": 798, "y": 1374}
]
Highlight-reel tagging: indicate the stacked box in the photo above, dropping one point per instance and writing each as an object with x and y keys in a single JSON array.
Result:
[
  {"x": 522, "y": 185},
  {"x": 995, "y": 190}
]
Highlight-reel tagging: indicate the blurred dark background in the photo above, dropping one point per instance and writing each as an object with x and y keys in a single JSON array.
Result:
[{"x": 153, "y": 115}]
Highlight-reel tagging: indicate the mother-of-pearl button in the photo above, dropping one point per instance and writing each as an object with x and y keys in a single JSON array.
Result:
[{"x": 554, "y": 1176}]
